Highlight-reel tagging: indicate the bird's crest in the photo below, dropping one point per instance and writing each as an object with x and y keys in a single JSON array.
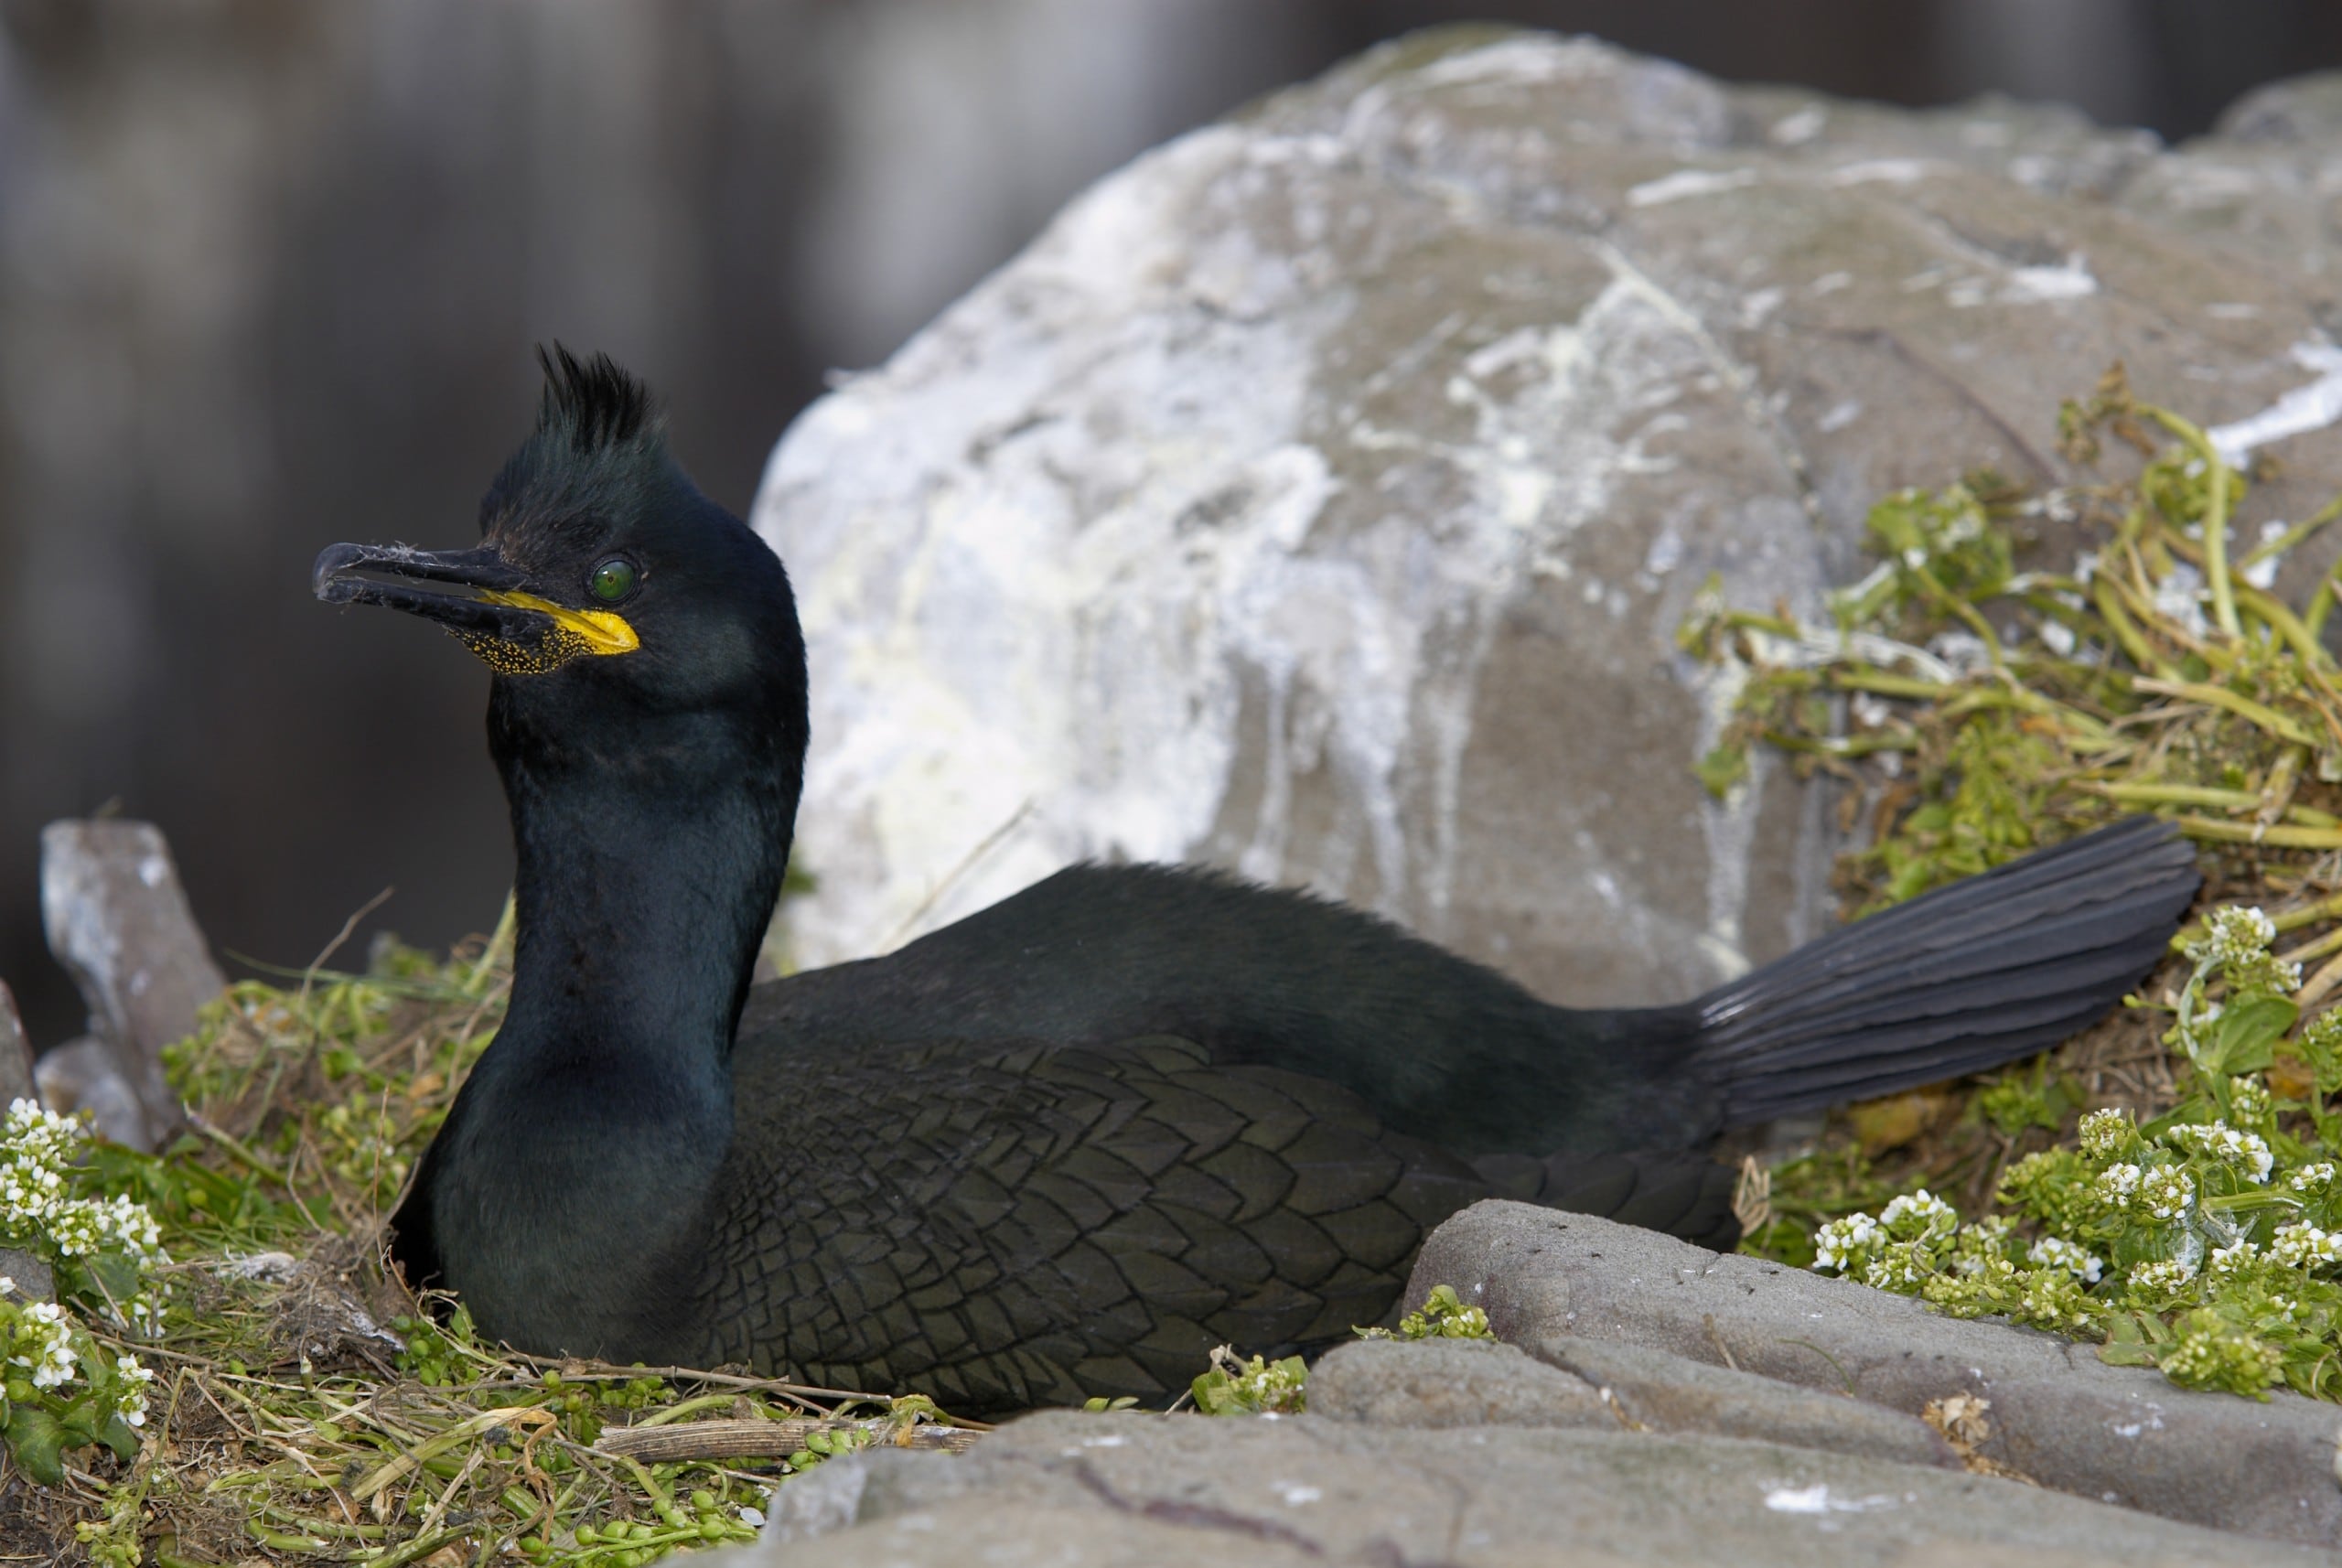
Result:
[
  {"x": 591, "y": 405},
  {"x": 599, "y": 440}
]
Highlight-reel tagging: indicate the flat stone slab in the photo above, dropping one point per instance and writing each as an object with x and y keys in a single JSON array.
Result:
[
  {"x": 1067, "y": 1488},
  {"x": 1452, "y": 1382},
  {"x": 2058, "y": 1414},
  {"x": 1593, "y": 1385}
]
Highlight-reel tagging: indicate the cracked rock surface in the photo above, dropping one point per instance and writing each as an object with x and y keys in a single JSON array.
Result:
[
  {"x": 1315, "y": 492},
  {"x": 1663, "y": 1406},
  {"x": 1075, "y": 1488},
  {"x": 2057, "y": 1414}
]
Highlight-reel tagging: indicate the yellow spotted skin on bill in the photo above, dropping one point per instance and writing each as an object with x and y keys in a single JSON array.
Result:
[{"x": 573, "y": 633}]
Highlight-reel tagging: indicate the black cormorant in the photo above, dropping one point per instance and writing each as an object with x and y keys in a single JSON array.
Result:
[{"x": 1064, "y": 1147}]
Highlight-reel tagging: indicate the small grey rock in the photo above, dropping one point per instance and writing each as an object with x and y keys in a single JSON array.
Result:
[
  {"x": 1451, "y": 1382},
  {"x": 30, "y": 1275},
  {"x": 819, "y": 1503},
  {"x": 85, "y": 1074}
]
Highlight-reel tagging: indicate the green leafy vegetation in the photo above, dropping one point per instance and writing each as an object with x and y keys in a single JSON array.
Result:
[
  {"x": 1443, "y": 1315},
  {"x": 2166, "y": 1187},
  {"x": 228, "y": 1376},
  {"x": 1234, "y": 1386},
  {"x": 60, "y": 1390}
]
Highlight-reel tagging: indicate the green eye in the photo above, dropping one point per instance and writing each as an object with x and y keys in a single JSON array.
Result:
[{"x": 612, "y": 580}]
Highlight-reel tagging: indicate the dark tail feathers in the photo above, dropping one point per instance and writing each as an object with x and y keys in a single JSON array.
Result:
[{"x": 1967, "y": 977}]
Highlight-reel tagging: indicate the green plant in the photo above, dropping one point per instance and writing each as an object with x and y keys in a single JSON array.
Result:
[
  {"x": 2204, "y": 1241},
  {"x": 59, "y": 1389},
  {"x": 1443, "y": 1315},
  {"x": 1257, "y": 1387},
  {"x": 1979, "y": 710}
]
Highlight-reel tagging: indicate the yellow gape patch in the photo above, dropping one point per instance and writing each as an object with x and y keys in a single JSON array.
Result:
[{"x": 573, "y": 633}]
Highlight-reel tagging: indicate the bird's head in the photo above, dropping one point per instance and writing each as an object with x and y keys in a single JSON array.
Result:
[{"x": 627, "y": 617}]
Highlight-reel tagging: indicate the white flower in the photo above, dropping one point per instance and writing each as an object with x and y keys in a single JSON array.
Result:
[
  {"x": 2162, "y": 1277},
  {"x": 2057, "y": 1253},
  {"x": 2167, "y": 1192},
  {"x": 2305, "y": 1246},
  {"x": 133, "y": 1400},
  {"x": 42, "y": 1345},
  {"x": 2224, "y": 1142},
  {"x": 2234, "y": 933},
  {"x": 1915, "y": 1216},
  {"x": 2117, "y": 1184},
  {"x": 1900, "y": 1266},
  {"x": 2105, "y": 1132},
  {"x": 2234, "y": 1260},
  {"x": 36, "y": 1147},
  {"x": 1845, "y": 1241},
  {"x": 2312, "y": 1177}
]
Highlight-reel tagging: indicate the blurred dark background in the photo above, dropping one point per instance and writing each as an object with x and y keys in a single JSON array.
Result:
[{"x": 270, "y": 272}]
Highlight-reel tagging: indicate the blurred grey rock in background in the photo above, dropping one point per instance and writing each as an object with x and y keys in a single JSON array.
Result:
[
  {"x": 16, "y": 1053},
  {"x": 119, "y": 922},
  {"x": 1319, "y": 497}
]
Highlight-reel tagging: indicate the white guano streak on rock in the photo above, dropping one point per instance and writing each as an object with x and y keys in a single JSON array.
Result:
[
  {"x": 1686, "y": 182},
  {"x": 938, "y": 711},
  {"x": 1884, "y": 171},
  {"x": 2305, "y": 408},
  {"x": 1816, "y": 1500},
  {"x": 1054, "y": 668},
  {"x": 1734, "y": 374},
  {"x": 2071, "y": 280},
  {"x": 1728, "y": 825}
]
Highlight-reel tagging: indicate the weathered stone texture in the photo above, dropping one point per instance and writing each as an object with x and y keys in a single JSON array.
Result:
[
  {"x": 2058, "y": 1414},
  {"x": 1319, "y": 496},
  {"x": 1151, "y": 1490}
]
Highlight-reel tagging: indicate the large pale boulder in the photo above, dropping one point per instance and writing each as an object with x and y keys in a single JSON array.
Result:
[{"x": 1318, "y": 496}]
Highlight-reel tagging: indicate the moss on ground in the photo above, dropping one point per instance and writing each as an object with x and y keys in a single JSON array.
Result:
[{"x": 304, "y": 1408}]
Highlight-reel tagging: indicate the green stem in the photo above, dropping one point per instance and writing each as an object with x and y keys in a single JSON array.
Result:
[{"x": 2216, "y": 475}]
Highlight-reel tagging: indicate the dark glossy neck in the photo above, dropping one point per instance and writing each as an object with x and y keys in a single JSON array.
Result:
[
  {"x": 642, "y": 899},
  {"x": 574, "y": 1173}
]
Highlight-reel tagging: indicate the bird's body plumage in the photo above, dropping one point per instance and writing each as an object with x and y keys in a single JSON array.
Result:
[{"x": 1063, "y": 1147}]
